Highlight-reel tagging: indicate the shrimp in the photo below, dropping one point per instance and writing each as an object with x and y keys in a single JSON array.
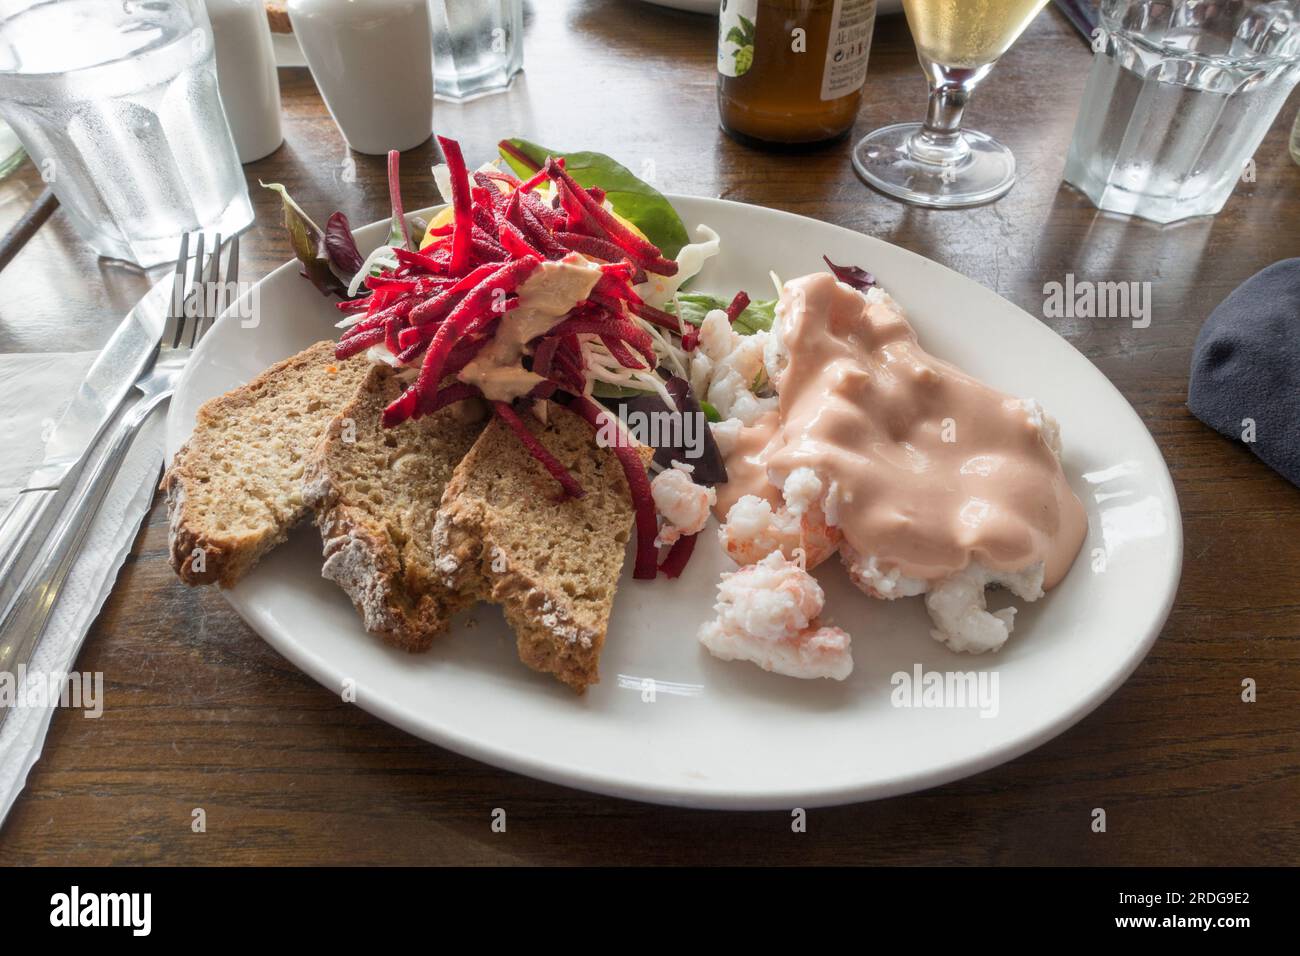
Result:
[
  {"x": 684, "y": 505},
  {"x": 767, "y": 614},
  {"x": 960, "y": 613},
  {"x": 877, "y": 582},
  {"x": 753, "y": 530}
]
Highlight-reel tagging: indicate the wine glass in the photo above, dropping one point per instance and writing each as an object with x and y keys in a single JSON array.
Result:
[{"x": 937, "y": 163}]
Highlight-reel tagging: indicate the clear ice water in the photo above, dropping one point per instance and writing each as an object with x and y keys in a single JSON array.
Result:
[
  {"x": 477, "y": 46},
  {"x": 1170, "y": 120},
  {"x": 118, "y": 106}
]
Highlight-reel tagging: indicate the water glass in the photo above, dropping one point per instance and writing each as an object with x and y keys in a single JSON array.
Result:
[
  {"x": 11, "y": 151},
  {"x": 117, "y": 105},
  {"x": 1178, "y": 99},
  {"x": 478, "y": 46}
]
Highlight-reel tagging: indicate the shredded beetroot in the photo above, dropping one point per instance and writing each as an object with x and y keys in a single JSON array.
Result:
[
  {"x": 409, "y": 355},
  {"x": 647, "y": 526},
  {"x": 450, "y": 395},
  {"x": 625, "y": 356},
  {"x": 539, "y": 451},
  {"x": 738, "y": 305},
  {"x": 501, "y": 176},
  {"x": 475, "y": 308},
  {"x": 654, "y": 316},
  {"x": 433, "y": 310},
  {"x": 544, "y": 214},
  {"x": 515, "y": 242},
  {"x": 544, "y": 355},
  {"x": 592, "y": 246},
  {"x": 678, "y": 556},
  {"x": 462, "y": 235},
  {"x": 419, "y": 260},
  {"x": 358, "y": 343},
  {"x": 578, "y": 200},
  {"x": 487, "y": 249},
  {"x": 528, "y": 185}
]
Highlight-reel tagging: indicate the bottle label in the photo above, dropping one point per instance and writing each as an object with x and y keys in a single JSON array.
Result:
[
  {"x": 736, "y": 36},
  {"x": 847, "y": 47}
]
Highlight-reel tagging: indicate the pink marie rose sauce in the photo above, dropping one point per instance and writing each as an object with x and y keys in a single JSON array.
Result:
[{"x": 864, "y": 406}]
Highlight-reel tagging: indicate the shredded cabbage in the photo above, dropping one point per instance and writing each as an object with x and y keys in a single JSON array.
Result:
[
  {"x": 657, "y": 290},
  {"x": 383, "y": 256}
]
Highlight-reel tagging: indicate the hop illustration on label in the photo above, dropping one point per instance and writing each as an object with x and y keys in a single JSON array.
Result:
[{"x": 743, "y": 37}]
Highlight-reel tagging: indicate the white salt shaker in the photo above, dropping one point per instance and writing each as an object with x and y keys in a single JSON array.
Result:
[
  {"x": 246, "y": 77},
  {"x": 373, "y": 64}
]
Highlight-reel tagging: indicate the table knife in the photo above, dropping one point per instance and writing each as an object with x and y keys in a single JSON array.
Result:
[{"x": 68, "y": 444}]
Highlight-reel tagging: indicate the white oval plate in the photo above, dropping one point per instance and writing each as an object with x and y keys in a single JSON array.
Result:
[{"x": 728, "y": 735}]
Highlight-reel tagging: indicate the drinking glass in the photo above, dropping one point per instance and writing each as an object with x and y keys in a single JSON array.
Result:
[
  {"x": 117, "y": 104},
  {"x": 11, "y": 151},
  {"x": 937, "y": 163},
  {"x": 478, "y": 46},
  {"x": 1178, "y": 100}
]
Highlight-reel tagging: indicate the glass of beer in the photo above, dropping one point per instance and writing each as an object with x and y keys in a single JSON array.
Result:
[{"x": 937, "y": 163}]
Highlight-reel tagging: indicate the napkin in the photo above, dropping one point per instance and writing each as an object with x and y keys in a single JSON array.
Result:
[
  {"x": 55, "y": 377},
  {"x": 1246, "y": 368}
]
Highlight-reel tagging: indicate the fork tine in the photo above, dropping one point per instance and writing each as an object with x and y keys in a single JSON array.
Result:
[
  {"x": 216, "y": 286},
  {"x": 195, "y": 312},
  {"x": 227, "y": 283},
  {"x": 232, "y": 262},
  {"x": 209, "y": 294},
  {"x": 176, "y": 308}
]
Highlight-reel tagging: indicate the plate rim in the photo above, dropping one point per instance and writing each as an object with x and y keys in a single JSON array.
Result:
[{"x": 702, "y": 795}]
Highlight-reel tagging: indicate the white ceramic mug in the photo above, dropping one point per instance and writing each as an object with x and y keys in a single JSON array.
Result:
[{"x": 373, "y": 64}]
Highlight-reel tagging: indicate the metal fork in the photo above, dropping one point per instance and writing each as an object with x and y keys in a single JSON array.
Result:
[{"x": 188, "y": 318}]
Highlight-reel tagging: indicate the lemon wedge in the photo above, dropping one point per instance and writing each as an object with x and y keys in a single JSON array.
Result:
[{"x": 437, "y": 222}]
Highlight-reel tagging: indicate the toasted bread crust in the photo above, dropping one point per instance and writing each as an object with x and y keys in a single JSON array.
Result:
[
  {"x": 375, "y": 491},
  {"x": 226, "y": 466},
  {"x": 499, "y": 502}
]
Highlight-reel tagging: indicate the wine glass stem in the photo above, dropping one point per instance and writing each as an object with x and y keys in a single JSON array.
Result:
[
  {"x": 943, "y": 117},
  {"x": 939, "y": 140}
]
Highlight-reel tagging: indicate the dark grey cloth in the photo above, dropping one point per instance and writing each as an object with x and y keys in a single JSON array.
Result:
[{"x": 1246, "y": 365}]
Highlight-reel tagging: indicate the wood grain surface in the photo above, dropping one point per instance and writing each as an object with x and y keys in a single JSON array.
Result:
[{"x": 201, "y": 713}]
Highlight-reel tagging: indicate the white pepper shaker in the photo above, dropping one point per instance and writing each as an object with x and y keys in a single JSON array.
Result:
[
  {"x": 246, "y": 77},
  {"x": 373, "y": 65}
]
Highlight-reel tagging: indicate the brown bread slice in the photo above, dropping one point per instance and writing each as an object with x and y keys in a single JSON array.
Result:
[
  {"x": 235, "y": 488},
  {"x": 376, "y": 492},
  {"x": 553, "y": 566}
]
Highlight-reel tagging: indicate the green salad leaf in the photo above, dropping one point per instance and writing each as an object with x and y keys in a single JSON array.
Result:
[
  {"x": 610, "y": 390},
  {"x": 308, "y": 242},
  {"x": 757, "y": 316},
  {"x": 636, "y": 201}
]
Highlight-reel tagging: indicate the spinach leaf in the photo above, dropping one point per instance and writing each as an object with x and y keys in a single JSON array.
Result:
[
  {"x": 636, "y": 201},
  {"x": 757, "y": 316}
]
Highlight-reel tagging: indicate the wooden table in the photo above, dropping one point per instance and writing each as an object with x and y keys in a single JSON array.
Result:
[{"x": 202, "y": 713}]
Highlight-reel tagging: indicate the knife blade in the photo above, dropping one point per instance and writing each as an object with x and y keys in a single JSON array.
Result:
[{"x": 98, "y": 399}]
